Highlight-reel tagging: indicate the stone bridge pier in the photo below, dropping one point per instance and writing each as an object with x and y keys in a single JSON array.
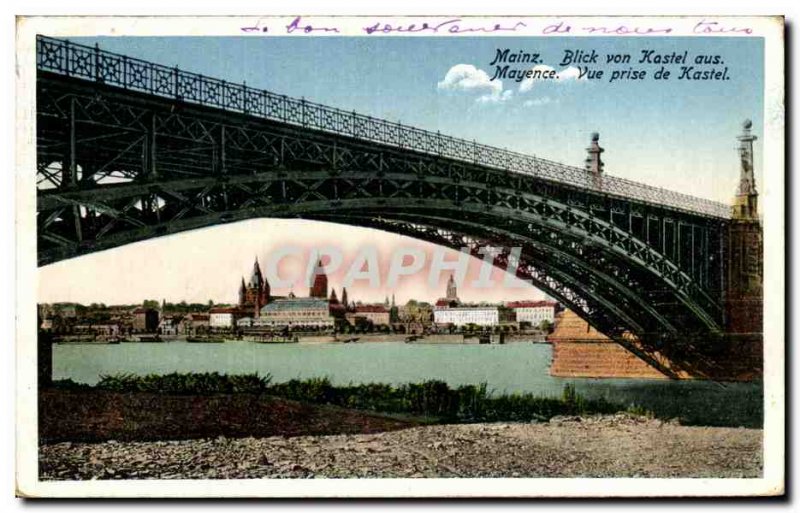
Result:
[{"x": 581, "y": 351}]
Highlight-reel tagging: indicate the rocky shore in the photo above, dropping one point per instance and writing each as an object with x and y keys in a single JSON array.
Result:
[{"x": 599, "y": 446}]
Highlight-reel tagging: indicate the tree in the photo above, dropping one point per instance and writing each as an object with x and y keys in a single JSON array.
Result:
[{"x": 546, "y": 326}]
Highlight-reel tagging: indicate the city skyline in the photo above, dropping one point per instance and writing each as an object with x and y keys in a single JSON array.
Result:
[{"x": 218, "y": 279}]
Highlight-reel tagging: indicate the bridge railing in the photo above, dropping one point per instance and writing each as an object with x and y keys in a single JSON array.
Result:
[{"x": 91, "y": 63}]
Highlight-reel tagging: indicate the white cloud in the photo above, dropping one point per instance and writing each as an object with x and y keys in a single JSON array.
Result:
[
  {"x": 538, "y": 102},
  {"x": 496, "y": 98},
  {"x": 468, "y": 78},
  {"x": 565, "y": 75},
  {"x": 571, "y": 73}
]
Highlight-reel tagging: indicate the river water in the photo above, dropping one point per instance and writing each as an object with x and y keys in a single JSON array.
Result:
[{"x": 509, "y": 368}]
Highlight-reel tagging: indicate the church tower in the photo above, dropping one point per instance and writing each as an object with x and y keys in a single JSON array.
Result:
[
  {"x": 242, "y": 294},
  {"x": 452, "y": 292},
  {"x": 254, "y": 292},
  {"x": 319, "y": 288},
  {"x": 394, "y": 312}
]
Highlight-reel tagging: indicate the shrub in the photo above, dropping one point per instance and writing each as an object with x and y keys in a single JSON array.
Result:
[{"x": 433, "y": 399}]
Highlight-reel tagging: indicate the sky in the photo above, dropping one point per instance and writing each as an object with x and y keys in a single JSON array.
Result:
[{"x": 679, "y": 135}]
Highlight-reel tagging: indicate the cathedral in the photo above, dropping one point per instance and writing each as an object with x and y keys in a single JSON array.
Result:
[{"x": 254, "y": 294}]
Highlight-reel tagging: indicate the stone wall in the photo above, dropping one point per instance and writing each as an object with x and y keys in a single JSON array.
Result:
[{"x": 580, "y": 351}]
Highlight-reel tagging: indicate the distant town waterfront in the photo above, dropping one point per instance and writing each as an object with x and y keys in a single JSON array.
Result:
[{"x": 510, "y": 368}]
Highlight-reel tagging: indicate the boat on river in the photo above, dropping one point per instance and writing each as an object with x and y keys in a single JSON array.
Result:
[
  {"x": 149, "y": 338},
  {"x": 205, "y": 340}
]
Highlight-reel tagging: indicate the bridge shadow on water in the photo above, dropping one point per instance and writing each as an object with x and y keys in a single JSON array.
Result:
[{"x": 704, "y": 403}]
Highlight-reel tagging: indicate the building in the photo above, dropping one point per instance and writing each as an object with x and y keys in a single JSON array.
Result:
[
  {"x": 479, "y": 315},
  {"x": 194, "y": 323},
  {"x": 416, "y": 313},
  {"x": 100, "y": 329},
  {"x": 47, "y": 324},
  {"x": 254, "y": 294},
  {"x": 534, "y": 312},
  {"x": 338, "y": 309},
  {"x": 376, "y": 314},
  {"x": 450, "y": 311},
  {"x": 296, "y": 313},
  {"x": 66, "y": 310},
  {"x": 319, "y": 288},
  {"x": 452, "y": 291},
  {"x": 145, "y": 320},
  {"x": 223, "y": 317},
  {"x": 169, "y": 325},
  {"x": 394, "y": 312}
]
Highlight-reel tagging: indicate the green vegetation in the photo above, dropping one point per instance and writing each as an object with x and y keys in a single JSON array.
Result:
[
  {"x": 186, "y": 384},
  {"x": 433, "y": 399}
]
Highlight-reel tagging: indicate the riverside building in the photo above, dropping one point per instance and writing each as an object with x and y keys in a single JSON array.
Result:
[
  {"x": 534, "y": 312},
  {"x": 450, "y": 311},
  {"x": 295, "y": 312}
]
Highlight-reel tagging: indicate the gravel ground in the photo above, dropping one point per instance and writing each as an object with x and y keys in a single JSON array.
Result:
[{"x": 599, "y": 446}]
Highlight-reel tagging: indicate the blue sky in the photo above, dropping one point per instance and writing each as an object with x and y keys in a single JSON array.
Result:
[{"x": 674, "y": 134}]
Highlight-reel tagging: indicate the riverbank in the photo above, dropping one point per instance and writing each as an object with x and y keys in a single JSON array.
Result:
[
  {"x": 194, "y": 405},
  {"x": 365, "y": 338},
  {"x": 520, "y": 368},
  {"x": 597, "y": 446},
  {"x": 98, "y": 415}
]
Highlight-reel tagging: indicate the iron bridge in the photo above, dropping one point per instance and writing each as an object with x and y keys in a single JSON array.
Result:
[{"x": 128, "y": 150}]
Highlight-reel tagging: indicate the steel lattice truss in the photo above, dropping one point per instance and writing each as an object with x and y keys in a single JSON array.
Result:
[
  {"x": 75, "y": 60},
  {"x": 117, "y": 166}
]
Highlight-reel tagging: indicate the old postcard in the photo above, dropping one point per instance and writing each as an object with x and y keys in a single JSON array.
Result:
[{"x": 400, "y": 256}]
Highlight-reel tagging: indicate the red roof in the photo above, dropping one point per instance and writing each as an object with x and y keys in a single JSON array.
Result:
[
  {"x": 445, "y": 302},
  {"x": 371, "y": 309},
  {"x": 223, "y": 309},
  {"x": 531, "y": 304}
]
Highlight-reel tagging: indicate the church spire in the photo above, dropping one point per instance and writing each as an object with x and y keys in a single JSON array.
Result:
[
  {"x": 452, "y": 291},
  {"x": 256, "y": 278}
]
